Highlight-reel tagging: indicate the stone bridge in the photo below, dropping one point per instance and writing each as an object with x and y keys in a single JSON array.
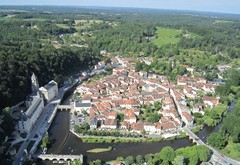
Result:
[
  {"x": 65, "y": 158},
  {"x": 193, "y": 136}
]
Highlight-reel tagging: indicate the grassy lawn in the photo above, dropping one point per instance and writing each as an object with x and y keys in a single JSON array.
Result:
[
  {"x": 167, "y": 36},
  {"x": 64, "y": 26},
  {"x": 99, "y": 150},
  {"x": 232, "y": 150}
]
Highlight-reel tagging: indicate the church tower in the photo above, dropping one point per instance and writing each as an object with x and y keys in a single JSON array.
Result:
[{"x": 35, "y": 85}]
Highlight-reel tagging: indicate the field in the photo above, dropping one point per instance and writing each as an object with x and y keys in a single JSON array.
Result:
[
  {"x": 35, "y": 19},
  {"x": 88, "y": 21},
  {"x": 222, "y": 22},
  {"x": 64, "y": 26},
  {"x": 167, "y": 36}
]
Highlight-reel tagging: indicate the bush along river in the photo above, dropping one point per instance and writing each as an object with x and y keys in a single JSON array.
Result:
[{"x": 64, "y": 142}]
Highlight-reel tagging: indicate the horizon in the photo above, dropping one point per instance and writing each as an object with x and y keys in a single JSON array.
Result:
[{"x": 215, "y": 6}]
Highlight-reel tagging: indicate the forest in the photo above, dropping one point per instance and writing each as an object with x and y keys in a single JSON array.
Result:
[{"x": 55, "y": 42}]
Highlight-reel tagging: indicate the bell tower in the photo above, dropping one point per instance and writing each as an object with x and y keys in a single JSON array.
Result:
[{"x": 35, "y": 85}]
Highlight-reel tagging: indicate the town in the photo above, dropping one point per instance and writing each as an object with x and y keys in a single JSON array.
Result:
[{"x": 147, "y": 102}]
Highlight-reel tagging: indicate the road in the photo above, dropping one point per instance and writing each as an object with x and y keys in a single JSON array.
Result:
[{"x": 41, "y": 125}]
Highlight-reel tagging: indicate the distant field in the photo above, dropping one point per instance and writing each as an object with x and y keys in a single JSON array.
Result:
[
  {"x": 222, "y": 22},
  {"x": 88, "y": 21},
  {"x": 64, "y": 26},
  {"x": 167, "y": 36},
  {"x": 35, "y": 19}
]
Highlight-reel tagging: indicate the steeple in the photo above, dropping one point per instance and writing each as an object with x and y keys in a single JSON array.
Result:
[{"x": 35, "y": 85}]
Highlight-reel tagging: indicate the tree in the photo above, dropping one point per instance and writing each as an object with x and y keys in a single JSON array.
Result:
[
  {"x": 45, "y": 142},
  {"x": 96, "y": 162},
  {"x": 130, "y": 160},
  {"x": 148, "y": 157},
  {"x": 167, "y": 154},
  {"x": 77, "y": 162},
  {"x": 217, "y": 140},
  {"x": 120, "y": 158},
  {"x": 140, "y": 159},
  {"x": 179, "y": 160},
  {"x": 153, "y": 118},
  {"x": 203, "y": 153}
]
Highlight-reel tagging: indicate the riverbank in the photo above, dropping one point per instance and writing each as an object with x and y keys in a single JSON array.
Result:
[{"x": 112, "y": 139}]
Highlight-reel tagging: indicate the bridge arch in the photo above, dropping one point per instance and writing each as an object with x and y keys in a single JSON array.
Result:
[{"x": 54, "y": 159}]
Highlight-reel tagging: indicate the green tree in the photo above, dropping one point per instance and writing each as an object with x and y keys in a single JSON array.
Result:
[
  {"x": 77, "y": 162},
  {"x": 153, "y": 118},
  {"x": 179, "y": 160},
  {"x": 167, "y": 155},
  {"x": 217, "y": 140},
  {"x": 203, "y": 153},
  {"x": 45, "y": 142},
  {"x": 129, "y": 160},
  {"x": 96, "y": 162},
  {"x": 140, "y": 159}
]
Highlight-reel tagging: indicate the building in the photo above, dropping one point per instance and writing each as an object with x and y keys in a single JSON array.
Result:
[
  {"x": 30, "y": 116},
  {"x": 79, "y": 107},
  {"x": 50, "y": 90},
  {"x": 35, "y": 105}
]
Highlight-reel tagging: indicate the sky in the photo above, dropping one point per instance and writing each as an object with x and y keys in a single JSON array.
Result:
[{"x": 222, "y": 6}]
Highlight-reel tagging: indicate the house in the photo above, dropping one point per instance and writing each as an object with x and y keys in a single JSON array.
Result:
[
  {"x": 208, "y": 88},
  {"x": 188, "y": 68},
  {"x": 210, "y": 101},
  {"x": 109, "y": 124},
  {"x": 87, "y": 98},
  {"x": 129, "y": 116},
  {"x": 149, "y": 128},
  {"x": 124, "y": 125},
  {"x": 137, "y": 127},
  {"x": 100, "y": 65},
  {"x": 187, "y": 118},
  {"x": 130, "y": 103},
  {"x": 93, "y": 123},
  {"x": 112, "y": 115},
  {"x": 50, "y": 90},
  {"x": 222, "y": 68},
  {"x": 79, "y": 107}
]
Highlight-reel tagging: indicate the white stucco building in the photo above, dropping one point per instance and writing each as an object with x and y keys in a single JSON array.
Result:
[
  {"x": 50, "y": 90},
  {"x": 30, "y": 116},
  {"x": 34, "y": 105}
]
